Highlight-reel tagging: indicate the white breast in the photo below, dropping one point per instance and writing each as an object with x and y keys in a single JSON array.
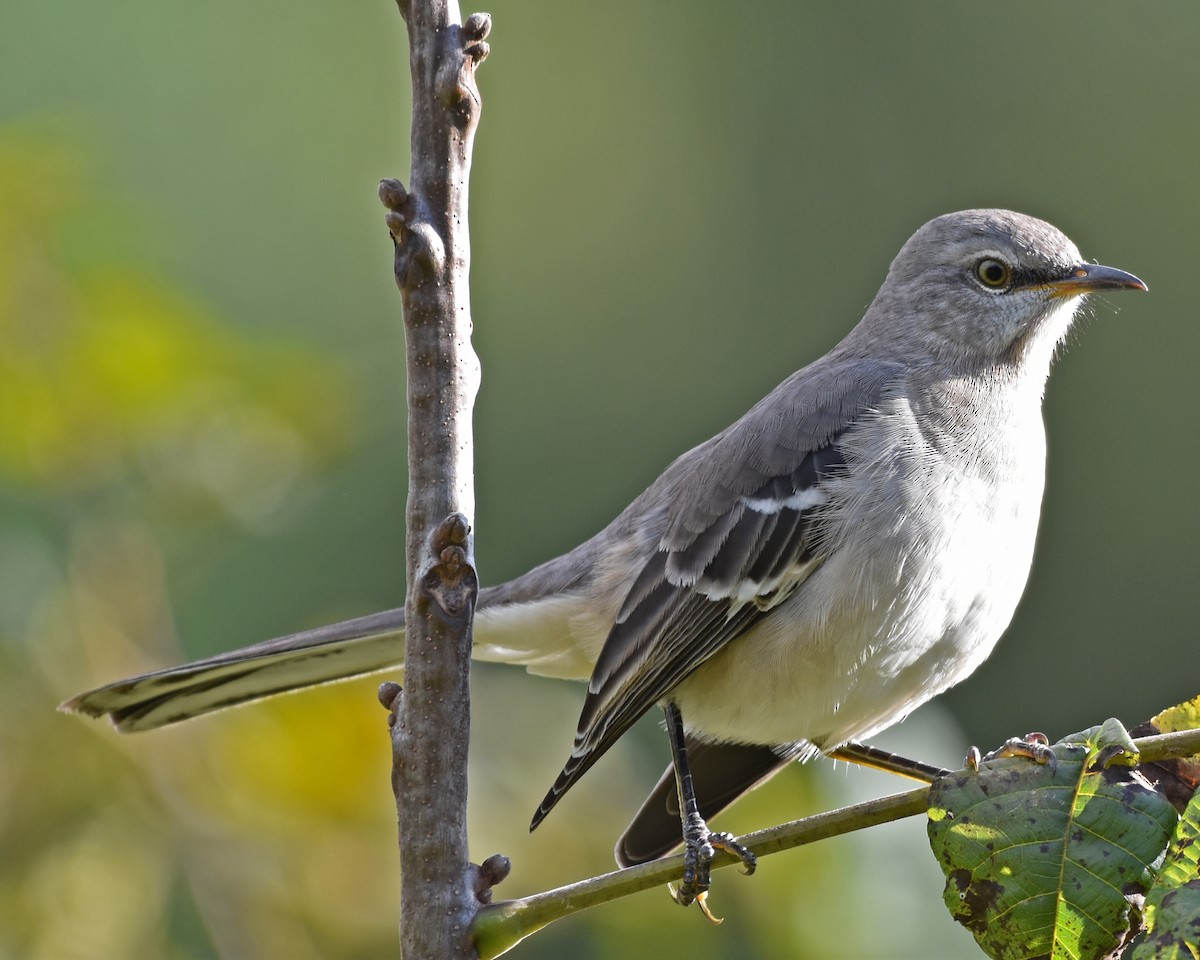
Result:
[{"x": 929, "y": 540}]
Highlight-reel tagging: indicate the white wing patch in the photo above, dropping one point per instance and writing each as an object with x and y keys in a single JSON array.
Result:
[{"x": 800, "y": 500}]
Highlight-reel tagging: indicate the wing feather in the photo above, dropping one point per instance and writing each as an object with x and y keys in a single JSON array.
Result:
[{"x": 741, "y": 535}]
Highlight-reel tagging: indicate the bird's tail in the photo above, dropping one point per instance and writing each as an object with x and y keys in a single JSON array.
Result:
[
  {"x": 721, "y": 772},
  {"x": 539, "y": 621},
  {"x": 335, "y": 652}
]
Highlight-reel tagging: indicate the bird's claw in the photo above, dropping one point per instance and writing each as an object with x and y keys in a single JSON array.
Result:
[
  {"x": 702, "y": 903},
  {"x": 699, "y": 854},
  {"x": 728, "y": 843},
  {"x": 1034, "y": 746}
]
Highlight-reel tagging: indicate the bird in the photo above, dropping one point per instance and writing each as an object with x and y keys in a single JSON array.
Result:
[{"x": 852, "y": 546}]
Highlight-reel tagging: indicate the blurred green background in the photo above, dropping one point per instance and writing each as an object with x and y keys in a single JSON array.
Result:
[{"x": 673, "y": 206}]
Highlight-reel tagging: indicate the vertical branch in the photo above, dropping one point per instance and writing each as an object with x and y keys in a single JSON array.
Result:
[{"x": 431, "y": 717}]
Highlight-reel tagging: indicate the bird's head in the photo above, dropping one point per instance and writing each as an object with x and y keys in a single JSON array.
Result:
[{"x": 986, "y": 288}]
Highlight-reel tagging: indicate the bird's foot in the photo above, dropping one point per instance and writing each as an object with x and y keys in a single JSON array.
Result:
[
  {"x": 1034, "y": 746},
  {"x": 701, "y": 847}
]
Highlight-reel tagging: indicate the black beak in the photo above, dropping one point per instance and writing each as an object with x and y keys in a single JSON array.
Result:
[{"x": 1090, "y": 277}]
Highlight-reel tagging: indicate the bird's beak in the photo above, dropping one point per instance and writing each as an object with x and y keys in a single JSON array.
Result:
[{"x": 1090, "y": 277}]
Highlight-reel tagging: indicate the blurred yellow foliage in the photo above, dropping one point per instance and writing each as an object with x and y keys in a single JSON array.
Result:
[
  {"x": 118, "y": 387},
  {"x": 109, "y": 374}
]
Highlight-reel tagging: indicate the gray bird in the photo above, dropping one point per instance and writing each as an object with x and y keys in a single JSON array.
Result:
[{"x": 851, "y": 547}]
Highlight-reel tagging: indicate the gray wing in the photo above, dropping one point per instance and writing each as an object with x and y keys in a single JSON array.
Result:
[{"x": 741, "y": 537}]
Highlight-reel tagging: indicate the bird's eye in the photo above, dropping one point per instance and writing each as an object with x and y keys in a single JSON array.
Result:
[{"x": 993, "y": 273}]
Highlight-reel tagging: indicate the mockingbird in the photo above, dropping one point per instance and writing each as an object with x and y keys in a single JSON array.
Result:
[{"x": 851, "y": 547}]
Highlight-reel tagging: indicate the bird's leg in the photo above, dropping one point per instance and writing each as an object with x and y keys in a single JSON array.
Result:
[
  {"x": 700, "y": 843},
  {"x": 868, "y": 756}
]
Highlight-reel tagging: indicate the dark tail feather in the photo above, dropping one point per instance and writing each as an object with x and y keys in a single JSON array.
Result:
[
  {"x": 722, "y": 772},
  {"x": 335, "y": 652}
]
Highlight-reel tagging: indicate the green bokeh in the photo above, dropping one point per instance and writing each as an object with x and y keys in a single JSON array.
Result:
[{"x": 673, "y": 206}]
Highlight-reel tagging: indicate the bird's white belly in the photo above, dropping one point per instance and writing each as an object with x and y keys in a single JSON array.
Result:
[{"x": 905, "y": 606}]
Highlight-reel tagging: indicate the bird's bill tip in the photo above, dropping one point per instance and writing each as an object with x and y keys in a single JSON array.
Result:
[{"x": 1090, "y": 277}]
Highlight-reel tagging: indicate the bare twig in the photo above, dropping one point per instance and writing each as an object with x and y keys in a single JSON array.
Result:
[{"x": 502, "y": 925}]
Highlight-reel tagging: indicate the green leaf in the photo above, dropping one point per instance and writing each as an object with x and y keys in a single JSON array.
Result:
[
  {"x": 1051, "y": 860},
  {"x": 1173, "y": 903}
]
